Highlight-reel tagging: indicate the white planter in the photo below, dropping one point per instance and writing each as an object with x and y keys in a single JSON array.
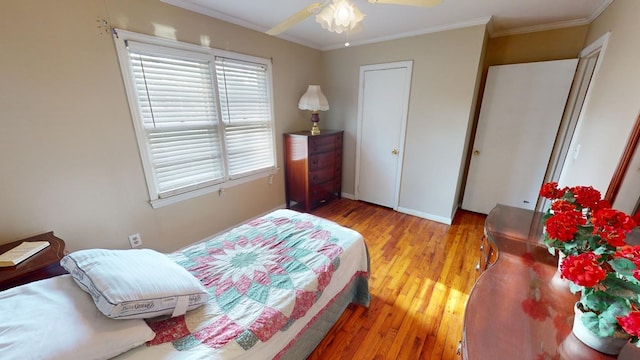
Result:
[
  {"x": 608, "y": 345},
  {"x": 557, "y": 281}
]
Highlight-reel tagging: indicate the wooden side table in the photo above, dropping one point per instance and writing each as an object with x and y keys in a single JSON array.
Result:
[{"x": 44, "y": 264}]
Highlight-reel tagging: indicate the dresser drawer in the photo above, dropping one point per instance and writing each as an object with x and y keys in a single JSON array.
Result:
[
  {"x": 324, "y": 143},
  {"x": 322, "y": 175},
  {"x": 322, "y": 192},
  {"x": 325, "y": 159}
]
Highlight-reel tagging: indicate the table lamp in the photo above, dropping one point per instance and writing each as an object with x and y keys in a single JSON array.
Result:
[{"x": 315, "y": 101}]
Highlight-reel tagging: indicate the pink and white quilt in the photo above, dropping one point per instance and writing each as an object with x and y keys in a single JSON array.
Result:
[{"x": 268, "y": 279}]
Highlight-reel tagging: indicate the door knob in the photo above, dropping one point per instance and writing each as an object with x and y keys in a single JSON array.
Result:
[
  {"x": 394, "y": 152},
  {"x": 476, "y": 152}
]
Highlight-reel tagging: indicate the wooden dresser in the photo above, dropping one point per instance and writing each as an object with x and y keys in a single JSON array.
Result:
[
  {"x": 313, "y": 168},
  {"x": 519, "y": 307}
]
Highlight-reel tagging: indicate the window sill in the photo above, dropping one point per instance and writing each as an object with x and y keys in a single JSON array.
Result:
[{"x": 158, "y": 203}]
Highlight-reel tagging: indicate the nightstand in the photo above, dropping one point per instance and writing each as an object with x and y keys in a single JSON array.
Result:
[{"x": 44, "y": 264}]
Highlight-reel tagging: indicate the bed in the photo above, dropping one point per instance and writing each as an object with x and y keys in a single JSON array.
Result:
[{"x": 275, "y": 287}]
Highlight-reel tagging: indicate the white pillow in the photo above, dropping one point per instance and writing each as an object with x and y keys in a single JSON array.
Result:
[
  {"x": 54, "y": 319},
  {"x": 128, "y": 284}
]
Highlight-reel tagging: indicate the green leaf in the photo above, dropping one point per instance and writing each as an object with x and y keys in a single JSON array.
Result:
[
  {"x": 598, "y": 301},
  {"x": 600, "y": 251},
  {"x": 622, "y": 266},
  {"x": 575, "y": 288},
  {"x": 570, "y": 246},
  {"x": 602, "y": 325},
  {"x": 597, "y": 326},
  {"x": 618, "y": 307},
  {"x": 627, "y": 287}
]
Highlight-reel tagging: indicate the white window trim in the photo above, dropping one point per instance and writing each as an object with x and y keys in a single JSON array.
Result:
[{"x": 120, "y": 38}]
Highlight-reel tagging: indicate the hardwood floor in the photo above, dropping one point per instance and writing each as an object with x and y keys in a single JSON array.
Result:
[{"x": 421, "y": 275}]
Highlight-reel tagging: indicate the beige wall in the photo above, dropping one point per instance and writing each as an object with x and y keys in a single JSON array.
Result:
[
  {"x": 558, "y": 44},
  {"x": 445, "y": 73},
  {"x": 69, "y": 156},
  {"x": 612, "y": 106}
]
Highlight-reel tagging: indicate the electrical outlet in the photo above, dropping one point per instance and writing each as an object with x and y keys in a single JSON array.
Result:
[{"x": 135, "y": 240}]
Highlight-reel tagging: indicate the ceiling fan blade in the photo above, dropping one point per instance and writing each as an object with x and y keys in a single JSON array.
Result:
[
  {"x": 425, "y": 3},
  {"x": 294, "y": 19}
]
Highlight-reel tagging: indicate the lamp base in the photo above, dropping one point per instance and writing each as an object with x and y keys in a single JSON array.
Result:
[{"x": 315, "y": 130}]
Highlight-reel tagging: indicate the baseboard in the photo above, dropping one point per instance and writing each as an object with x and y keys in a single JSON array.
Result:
[
  {"x": 427, "y": 216},
  {"x": 348, "y": 196}
]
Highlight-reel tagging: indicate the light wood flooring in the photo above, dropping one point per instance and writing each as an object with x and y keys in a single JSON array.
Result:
[{"x": 421, "y": 275}]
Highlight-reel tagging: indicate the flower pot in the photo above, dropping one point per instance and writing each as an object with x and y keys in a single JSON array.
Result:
[
  {"x": 561, "y": 257},
  {"x": 611, "y": 345},
  {"x": 557, "y": 281}
]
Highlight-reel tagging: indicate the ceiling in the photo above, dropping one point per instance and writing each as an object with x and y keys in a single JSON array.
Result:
[{"x": 386, "y": 22}]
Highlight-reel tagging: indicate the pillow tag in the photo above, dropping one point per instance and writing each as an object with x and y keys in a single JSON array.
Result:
[{"x": 182, "y": 303}]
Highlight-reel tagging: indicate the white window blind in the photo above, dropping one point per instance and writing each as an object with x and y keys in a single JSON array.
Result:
[
  {"x": 203, "y": 117},
  {"x": 177, "y": 105},
  {"x": 245, "y": 106}
]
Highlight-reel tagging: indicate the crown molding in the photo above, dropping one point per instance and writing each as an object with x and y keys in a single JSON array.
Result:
[{"x": 430, "y": 30}]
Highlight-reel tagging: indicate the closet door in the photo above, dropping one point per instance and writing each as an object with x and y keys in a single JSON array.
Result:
[
  {"x": 519, "y": 118},
  {"x": 382, "y": 116}
]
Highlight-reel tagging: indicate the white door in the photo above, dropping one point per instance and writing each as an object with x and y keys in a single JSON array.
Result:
[
  {"x": 521, "y": 110},
  {"x": 382, "y": 115},
  {"x": 586, "y": 71}
]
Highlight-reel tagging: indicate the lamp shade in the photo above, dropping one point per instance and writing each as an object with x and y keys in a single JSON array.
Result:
[{"x": 313, "y": 99}]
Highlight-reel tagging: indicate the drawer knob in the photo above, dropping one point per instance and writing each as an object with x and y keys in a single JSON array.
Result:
[
  {"x": 478, "y": 266},
  {"x": 481, "y": 247},
  {"x": 394, "y": 151}
]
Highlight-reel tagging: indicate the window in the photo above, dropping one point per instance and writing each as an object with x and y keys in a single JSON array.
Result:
[{"x": 203, "y": 117}]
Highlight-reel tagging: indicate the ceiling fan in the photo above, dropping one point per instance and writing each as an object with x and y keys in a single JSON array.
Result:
[{"x": 339, "y": 15}]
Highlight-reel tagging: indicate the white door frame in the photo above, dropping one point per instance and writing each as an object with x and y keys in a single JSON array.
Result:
[
  {"x": 571, "y": 120},
  {"x": 403, "y": 130}
]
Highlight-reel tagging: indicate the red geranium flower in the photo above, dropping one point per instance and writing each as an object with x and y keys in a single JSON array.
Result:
[
  {"x": 612, "y": 235},
  {"x": 601, "y": 204},
  {"x": 629, "y": 252},
  {"x": 583, "y": 269},
  {"x": 586, "y": 196},
  {"x": 584, "y": 226},
  {"x": 562, "y": 205},
  {"x": 563, "y": 225},
  {"x": 550, "y": 191},
  {"x": 631, "y": 323},
  {"x": 615, "y": 218}
]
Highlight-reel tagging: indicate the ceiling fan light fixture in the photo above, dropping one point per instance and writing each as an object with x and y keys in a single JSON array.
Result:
[{"x": 339, "y": 16}]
